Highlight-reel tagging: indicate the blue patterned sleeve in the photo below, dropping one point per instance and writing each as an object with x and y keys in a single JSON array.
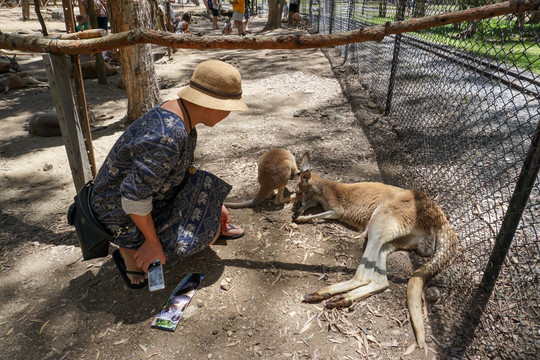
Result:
[{"x": 153, "y": 158}]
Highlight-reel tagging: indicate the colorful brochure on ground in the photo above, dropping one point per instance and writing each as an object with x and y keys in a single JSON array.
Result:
[{"x": 171, "y": 313}]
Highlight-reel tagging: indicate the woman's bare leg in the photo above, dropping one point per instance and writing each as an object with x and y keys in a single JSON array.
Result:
[{"x": 217, "y": 235}]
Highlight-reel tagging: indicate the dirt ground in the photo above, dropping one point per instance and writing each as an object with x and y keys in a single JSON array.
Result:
[{"x": 249, "y": 306}]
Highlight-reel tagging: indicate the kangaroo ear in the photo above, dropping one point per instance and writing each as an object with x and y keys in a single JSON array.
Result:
[
  {"x": 305, "y": 164},
  {"x": 305, "y": 176}
]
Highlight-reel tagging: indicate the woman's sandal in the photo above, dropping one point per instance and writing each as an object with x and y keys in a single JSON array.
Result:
[
  {"x": 230, "y": 237},
  {"x": 121, "y": 266}
]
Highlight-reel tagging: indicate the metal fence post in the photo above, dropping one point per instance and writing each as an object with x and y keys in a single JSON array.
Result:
[
  {"x": 332, "y": 8},
  {"x": 319, "y": 18},
  {"x": 350, "y": 16},
  {"x": 399, "y": 16},
  {"x": 522, "y": 191}
]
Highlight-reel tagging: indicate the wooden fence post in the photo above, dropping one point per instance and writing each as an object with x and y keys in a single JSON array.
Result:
[{"x": 68, "y": 118}]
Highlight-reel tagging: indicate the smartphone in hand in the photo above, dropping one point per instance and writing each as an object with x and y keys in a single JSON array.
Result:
[{"x": 155, "y": 276}]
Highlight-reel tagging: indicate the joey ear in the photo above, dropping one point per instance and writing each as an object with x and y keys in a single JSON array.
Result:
[{"x": 305, "y": 164}]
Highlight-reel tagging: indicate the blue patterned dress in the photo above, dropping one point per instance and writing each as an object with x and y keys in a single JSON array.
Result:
[{"x": 151, "y": 160}]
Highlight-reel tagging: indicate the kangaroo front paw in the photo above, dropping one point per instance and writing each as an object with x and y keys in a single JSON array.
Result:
[
  {"x": 300, "y": 219},
  {"x": 339, "y": 303},
  {"x": 316, "y": 297}
]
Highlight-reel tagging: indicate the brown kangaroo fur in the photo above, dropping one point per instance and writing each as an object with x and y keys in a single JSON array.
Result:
[
  {"x": 297, "y": 20},
  {"x": 89, "y": 71},
  {"x": 393, "y": 219},
  {"x": 45, "y": 123},
  {"x": 276, "y": 167},
  {"x": 20, "y": 80},
  {"x": 13, "y": 65}
]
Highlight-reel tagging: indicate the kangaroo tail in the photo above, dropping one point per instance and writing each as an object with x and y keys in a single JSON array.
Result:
[
  {"x": 261, "y": 195},
  {"x": 446, "y": 247}
]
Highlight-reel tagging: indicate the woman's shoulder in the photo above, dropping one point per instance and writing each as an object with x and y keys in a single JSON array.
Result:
[{"x": 157, "y": 120}]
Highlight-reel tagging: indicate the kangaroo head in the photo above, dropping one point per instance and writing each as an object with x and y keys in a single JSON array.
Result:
[
  {"x": 14, "y": 65},
  {"x": 304, "y": 187}
]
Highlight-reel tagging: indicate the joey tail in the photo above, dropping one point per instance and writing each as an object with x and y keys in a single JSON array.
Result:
[{"x": 261, "y": 195}]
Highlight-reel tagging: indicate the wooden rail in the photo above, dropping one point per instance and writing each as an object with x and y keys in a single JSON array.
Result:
[{"x": 38, "y": 44}]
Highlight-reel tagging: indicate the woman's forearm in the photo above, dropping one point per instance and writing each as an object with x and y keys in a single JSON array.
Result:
[{"x": 145, "y": 223}]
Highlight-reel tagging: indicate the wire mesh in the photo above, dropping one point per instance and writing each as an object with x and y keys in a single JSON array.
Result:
[{"x": 462, "y": 106}]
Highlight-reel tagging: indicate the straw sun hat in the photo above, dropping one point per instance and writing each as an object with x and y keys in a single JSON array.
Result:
[{"x": 215, "y": 85}]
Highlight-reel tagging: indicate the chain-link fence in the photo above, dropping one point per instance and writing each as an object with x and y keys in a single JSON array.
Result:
[{"x": 462, "y": 123}]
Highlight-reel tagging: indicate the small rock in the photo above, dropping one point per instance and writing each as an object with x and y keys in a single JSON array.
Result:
[
  {"x": 230, "y": 333},
  {"x": 47, "y": 166},
  {"x": 200, "y": 304},
  {"x": 225, "y": 284},
  {"x": 433, "y": 294},
  {"x": 300, "y": 113},
  {"x": 371, "y": 105},
  {"x": 232, "y": 317},
  {"x": 392, "y": 343}
]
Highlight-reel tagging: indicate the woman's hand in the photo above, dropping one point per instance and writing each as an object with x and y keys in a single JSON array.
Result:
[
  {"x": 148, "y": 253},
  {"x": 151, "y": 248}
]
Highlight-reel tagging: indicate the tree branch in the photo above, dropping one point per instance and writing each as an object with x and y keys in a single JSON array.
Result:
[{"x": 301, "y": 41}]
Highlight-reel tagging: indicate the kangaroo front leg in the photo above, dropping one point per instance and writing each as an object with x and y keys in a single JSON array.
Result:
[
  {"x": 329, "y": 214},
  {"x": 308, "y": 204}
]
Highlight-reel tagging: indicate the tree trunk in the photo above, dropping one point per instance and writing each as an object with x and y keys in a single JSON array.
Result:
[
  {"x": 419, "y": 8},
  {"x": 274, "y": 15},
  {"x": 382, "y": 8},
  {"x": 100, "y": 62},
  {"x": 37, "y": 8},
  {"x": 137, "y": 61},
  {"x": 535, "y": 17},
  {"x": 25, "y": 6}
]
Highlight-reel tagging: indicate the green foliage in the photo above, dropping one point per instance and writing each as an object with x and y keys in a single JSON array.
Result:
[
  {"x": 498, "y": 38},
  {"x": 495, "y": 38}
]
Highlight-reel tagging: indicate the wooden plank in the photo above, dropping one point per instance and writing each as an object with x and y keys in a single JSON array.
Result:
[{"x": 64, "y": 102}]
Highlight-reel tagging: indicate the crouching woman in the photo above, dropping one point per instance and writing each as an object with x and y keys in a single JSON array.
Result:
[{"x": 148, "y": 185}]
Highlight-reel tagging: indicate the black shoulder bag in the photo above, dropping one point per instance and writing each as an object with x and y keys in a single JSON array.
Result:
[{"x": 93, "y": 237}]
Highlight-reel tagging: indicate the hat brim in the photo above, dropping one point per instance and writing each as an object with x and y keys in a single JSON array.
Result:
[{"x": 201, "y": 98}]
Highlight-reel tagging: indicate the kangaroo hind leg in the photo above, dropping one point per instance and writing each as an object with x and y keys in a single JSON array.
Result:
[
  {"x": 382, "y": 229},
  {"x": 378, "y": 283},
  {"x": 280, "y": 199}
]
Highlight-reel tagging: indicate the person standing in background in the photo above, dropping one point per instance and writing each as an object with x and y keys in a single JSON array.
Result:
[
  {"x": 216, "y": 5},
  {"x": 81, "y": 24},
  {"x": 101, "y": 13},
  {"x": 247, "y": 16},
  {"x": 294, "y": 7},
  {"x": 239, "y": 6}
]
